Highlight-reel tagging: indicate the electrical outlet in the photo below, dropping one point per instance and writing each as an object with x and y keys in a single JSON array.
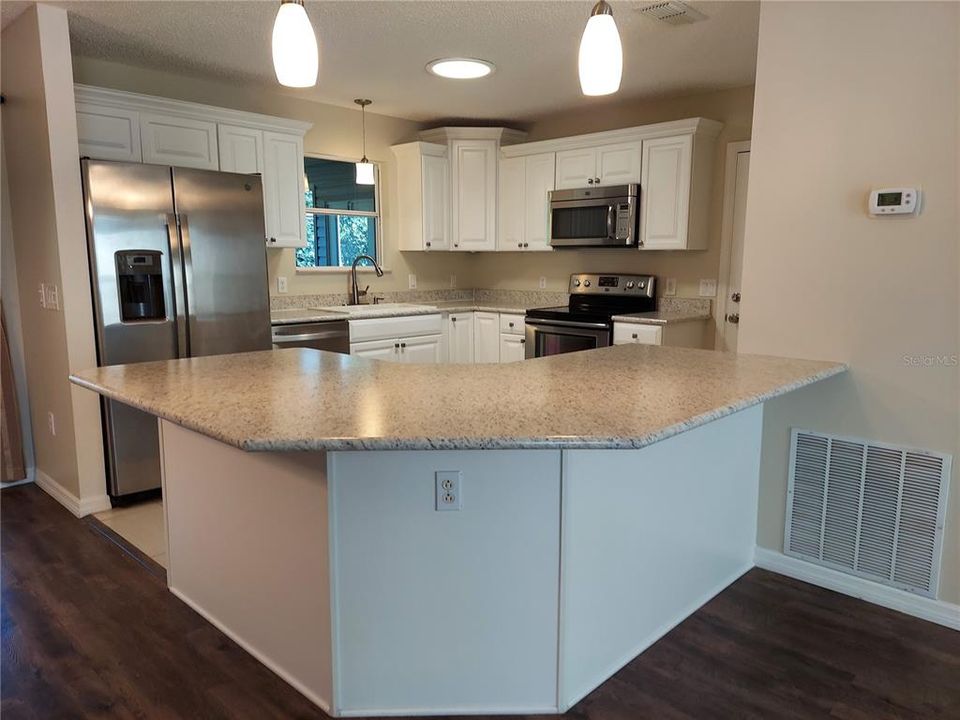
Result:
[
  {"x": 43, "y": 296},
  {"x": 52, "y": 424},
  {"x": 412, "y": 281},
  {"x": 53, "y": 297},
  {"x": 448, "y": 495},
  {"x": 281, "y": 284},
  {"x": 453, "y": 281},
  {"x": 543, "y": 282},
  {"x": 708, "y": 288},
  {"x": 671, "y": 288}
]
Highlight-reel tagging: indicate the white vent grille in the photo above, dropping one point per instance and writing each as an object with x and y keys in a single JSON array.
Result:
[
  {"x": 869, "y": 509},
  {"x": 672, "y": 12}
]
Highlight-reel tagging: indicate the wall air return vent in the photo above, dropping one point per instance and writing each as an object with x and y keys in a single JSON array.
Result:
[
  {"x": 672, "y": 12},
  {"x": 867, "y": 509}
]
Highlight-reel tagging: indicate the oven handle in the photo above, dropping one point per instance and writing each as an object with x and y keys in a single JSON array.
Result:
[{"x": 567, "y": 323}]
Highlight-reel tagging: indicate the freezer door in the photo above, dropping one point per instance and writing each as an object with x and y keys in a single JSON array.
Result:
[
  {"x": 225, "y": 263},
  {"x": 129, "y": 216}
]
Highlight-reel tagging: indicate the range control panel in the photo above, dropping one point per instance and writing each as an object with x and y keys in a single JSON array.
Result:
[{"x": 613, "y": 284}]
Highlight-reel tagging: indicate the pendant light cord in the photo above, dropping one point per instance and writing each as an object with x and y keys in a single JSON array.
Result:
[{"x": 363, "y": 124}]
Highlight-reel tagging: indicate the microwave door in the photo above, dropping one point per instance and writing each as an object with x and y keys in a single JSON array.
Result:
[{"x": 580, "y": 223}]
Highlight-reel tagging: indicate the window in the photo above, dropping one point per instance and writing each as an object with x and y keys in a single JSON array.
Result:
[{"x": 343, "y": 219}]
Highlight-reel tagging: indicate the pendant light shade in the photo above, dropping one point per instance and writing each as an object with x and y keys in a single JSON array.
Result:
[
  {"x": 295, "y": 57},
  {"x": 601, "y": 54},
  {"x": 365, "y": 174}
]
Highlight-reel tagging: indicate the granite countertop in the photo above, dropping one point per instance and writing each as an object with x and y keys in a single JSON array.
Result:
[
  {"x": 300, "y": 315},
  {"x": 625, "y": 396},
  {"x": 663, "y": 317}
]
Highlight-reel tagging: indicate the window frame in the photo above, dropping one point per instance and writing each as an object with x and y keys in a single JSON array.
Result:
[{"x": 376, "y": 215}]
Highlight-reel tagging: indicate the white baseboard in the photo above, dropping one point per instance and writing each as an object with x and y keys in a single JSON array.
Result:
[
  {"x": 71, "y": 502},
  {"x": 937, "y": 611}
]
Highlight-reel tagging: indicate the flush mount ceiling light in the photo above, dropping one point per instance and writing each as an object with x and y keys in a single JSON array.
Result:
[
  {"x": 295, "y": 57},
  {"x": 601, "y": 54},
  {"x": 365, "y": 175},
  {"x": 460, "y": 68}
]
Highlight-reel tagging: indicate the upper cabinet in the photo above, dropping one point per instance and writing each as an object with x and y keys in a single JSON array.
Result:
[
  {"x": 114, "y": 125},
  {"x": 473, "y": 165},
  {"x": 616, "y": 164},
  {"x": 523, "y": 205},
  {"x": 423, "y": 191}
]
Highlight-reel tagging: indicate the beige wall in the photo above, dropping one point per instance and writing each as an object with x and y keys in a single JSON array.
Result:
[
  {"x": 40, "y": 135},
  {"x": 734, "y": 108},
  {"x": 335, "y": 132},
  {"x": 851, "y": 96}
]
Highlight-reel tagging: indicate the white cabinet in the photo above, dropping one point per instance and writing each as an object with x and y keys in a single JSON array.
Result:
[
  {"x": 632, "y": 334},
  {"x": 615, "y": 164},
  {"x": 241, "y": 149},
  {"x": 108, "y": 133},
  {"x": 410, "y": 339},
  {"x": 665, "y": 196},
  {"x": 423, "y": 191},
  {"x": 523, "y": 204},
  {"x": 459, "y": 331},
  {"x": 424, "y": 349},
  {"x": 486, "y": 337},
  {"x": 691, "y": 334},
  {"x": 284, "y": 206},
  {"x": 179, "y": 141},
  {"x": 377, "y": 349},
  {"x": 512, "y": 348},
  {"x": 473, "y": 165}
]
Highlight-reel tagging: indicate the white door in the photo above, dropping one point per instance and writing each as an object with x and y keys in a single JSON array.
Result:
[
  {"x": 284, "y": 206},
  {"x": 538, "y": 182},
  {"x": 475, "y": 194},
  {"x": 107, "y": 133},
  {"x": 665, "y": 192},
  {"x": 169, "y": 140},
  {"x": 424, "y": 349},
  {"x": 512, "y": 348},
  {"x": 486, "y": 337},
  {"x": 377, "y": 350},
  {"x": 511, "y": 204},
  {"x": 241, "y": 149},
  {"x": 619, "y": 164},
  {"x": 460, "y": 338},
  {"x": 436, "y": 202},
  {"x": 731, "y": 320},
  {"x": 576, "y": 168}
]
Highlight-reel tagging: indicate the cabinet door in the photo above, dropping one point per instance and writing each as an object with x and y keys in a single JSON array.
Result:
[
  {"x": 436, "y": 202},
  {"x": 183, "y": 142},
  {"x": 424, "y": 349},
  {"x": 634, "y": 334},
  {"x": 486, "y": 337},
  {"x": 241, "y": 149},
  {"x": 575, "y": 168},
  {"x": 538, "y": 182},
  {"x": 107, "y": 133},
  {"x": 284, "y": 207},
  {"x": 377, "y": 350},
  {"x": 665, "y": 193},
  {"x": 511, "y": 203},
  {"x": 460, "y": 338},
  {"x": 512, "y": 348},
  {"x": 619, "y": 164},
  {"x": 474, "y": 164}
]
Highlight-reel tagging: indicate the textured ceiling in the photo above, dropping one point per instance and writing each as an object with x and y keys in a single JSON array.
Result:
[{"x": 379, "y": 49}]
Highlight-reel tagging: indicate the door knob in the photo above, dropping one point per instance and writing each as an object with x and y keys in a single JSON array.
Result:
[
  {"x": 735, "y": 297},
  {"x": 733, "y": 318}
]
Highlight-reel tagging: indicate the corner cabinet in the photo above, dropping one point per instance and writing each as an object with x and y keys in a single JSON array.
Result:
[
  {"x": 675, "y": 193},
  {"x": 473, "y": 166},
  {"x": 423, "y": 191},
  {"x": 115, "y": 125}
]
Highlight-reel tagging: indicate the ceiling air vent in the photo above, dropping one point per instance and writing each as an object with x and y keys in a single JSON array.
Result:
[
  {"x": 867, "y": 509},
  {"x": 673, "y": 12}
]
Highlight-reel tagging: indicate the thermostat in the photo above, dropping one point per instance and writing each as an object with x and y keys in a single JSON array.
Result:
[{"x": 894, "y": 201}]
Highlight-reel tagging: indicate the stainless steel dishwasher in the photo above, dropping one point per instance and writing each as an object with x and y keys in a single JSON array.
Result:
[{"x": 332, "y": 336}]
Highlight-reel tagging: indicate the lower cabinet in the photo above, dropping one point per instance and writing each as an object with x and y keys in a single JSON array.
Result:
[
  {"x": 685, "y": 334},
  {"x": 459, "y": 331},
  {"x": 486, "y": 337},
  {"x": 512, "y": 348},
  {"x": 425, "y": 349}
]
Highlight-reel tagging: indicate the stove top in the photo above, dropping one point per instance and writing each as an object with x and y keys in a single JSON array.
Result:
[{"x": 596, "y": 298}]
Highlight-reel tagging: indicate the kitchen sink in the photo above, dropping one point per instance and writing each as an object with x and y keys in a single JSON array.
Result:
[{"x": 361, "y": 310}]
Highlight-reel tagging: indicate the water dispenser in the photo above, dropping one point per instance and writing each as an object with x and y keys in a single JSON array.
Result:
[{"x": 140, "y": 280}]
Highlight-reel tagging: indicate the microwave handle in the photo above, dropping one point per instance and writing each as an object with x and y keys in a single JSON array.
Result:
[{"x": 610, "y": 210}]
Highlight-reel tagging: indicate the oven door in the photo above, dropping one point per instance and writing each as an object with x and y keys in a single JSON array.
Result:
[
  {"x": 596, "y": 222},
  {"x": 553, "y": 337}
]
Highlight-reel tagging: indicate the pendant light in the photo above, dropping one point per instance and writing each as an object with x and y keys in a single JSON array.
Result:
[
  {"x": 364, "y": 167},
  {"x": 601, "y": 54},
  {"x": 295, "y": 57}
]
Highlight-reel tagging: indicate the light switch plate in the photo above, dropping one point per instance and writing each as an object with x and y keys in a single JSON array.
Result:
[
  {"x": 708, "y": 288},
  {"x": 671, "y": 287},
  {"x": 448, "y": 491},
  {"x": 412, "y": 281},
  {"x": 43, "y": 296},
  {"x": 53, "y": 297},
  {"x": 453, "y": 281},
  {"x": 543, "y": 282}
]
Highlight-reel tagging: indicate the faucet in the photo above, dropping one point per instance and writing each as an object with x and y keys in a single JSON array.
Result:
[{"x": 357, "y": 292}]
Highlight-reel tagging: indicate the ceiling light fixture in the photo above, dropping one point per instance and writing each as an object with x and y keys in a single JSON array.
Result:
[
  {"x": 365, "y": 175},
  {"x": 460, "y": 68},
  {"x": 295, "y": 58},
  {"x": 601, "y": 54}
]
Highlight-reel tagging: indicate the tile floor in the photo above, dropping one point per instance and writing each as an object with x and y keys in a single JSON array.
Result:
[{"x": 141, "y": 525}]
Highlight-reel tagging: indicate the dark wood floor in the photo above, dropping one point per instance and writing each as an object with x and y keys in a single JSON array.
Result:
[{"x": 89, "y": 632}]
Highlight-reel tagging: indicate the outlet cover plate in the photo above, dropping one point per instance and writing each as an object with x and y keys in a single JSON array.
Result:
[
  {"x": 708, "y": 288},
  {"x": 448, "y": 490}
]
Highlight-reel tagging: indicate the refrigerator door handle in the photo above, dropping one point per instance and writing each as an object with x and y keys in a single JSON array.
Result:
[
  {"x": 179, "y": 291},
  {"x": 189, "y": 316}
]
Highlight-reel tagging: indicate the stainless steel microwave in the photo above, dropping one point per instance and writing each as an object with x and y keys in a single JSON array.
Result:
[{"x": 594, "y": 217}]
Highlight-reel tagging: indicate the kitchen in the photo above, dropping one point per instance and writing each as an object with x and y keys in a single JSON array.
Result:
[{"x": 474, "y": 284}]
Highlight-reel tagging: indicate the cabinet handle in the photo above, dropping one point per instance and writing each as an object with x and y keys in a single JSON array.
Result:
[
  {"x": 456, "y": 244},
  {"x": 273, "y": 240},
  {"x": 453, "y": 319},
  {"x": 526, "y": 244},
  {"x": 428, "y": 243},
  {"x": 589, "y": 181},
  {"x": 522, "y": 340},
  {"x": 634, "y": 336},
  {"x": 510, "y": 324},
  {"x": 519, "y": 244},
  {"x": 403, "y": 345},
  {"x": 596, "y": 181},
  {"x": 396, "y": 346}
]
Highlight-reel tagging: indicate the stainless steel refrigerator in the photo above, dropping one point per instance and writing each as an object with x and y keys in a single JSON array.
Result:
[{"x": 178, "y": 268}]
